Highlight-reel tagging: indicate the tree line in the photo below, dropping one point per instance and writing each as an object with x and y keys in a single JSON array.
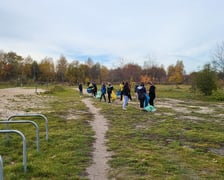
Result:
[{"x": 14, "y": 67}]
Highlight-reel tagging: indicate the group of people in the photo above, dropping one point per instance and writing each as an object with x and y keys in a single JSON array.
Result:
[
  {"x": 125, "y": 93},
  {"x": 145, "y": 98},
  {"x": 142, "y": 95},
  {"x": 109, "y": 89}
]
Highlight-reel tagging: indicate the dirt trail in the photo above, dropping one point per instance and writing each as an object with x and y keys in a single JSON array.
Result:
[{"x": 98, "y": 170}]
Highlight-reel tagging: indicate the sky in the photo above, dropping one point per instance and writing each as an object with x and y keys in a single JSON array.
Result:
[{"x": 114, "y": 31}]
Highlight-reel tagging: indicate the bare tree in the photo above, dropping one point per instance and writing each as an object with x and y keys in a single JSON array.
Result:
[{"x": 218, "y": 58}]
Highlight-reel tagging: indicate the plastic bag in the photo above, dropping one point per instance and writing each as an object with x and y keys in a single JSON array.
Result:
[
  {"x": 113, "y": 96},
  {"x": 150, "y": 108}
]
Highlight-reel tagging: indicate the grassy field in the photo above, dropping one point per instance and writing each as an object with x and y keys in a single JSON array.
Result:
[
  {"x": 67, "y": 153},
  {"x": 183, "y": 139}
]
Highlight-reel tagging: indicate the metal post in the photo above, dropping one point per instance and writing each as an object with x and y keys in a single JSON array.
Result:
[
  {"x": 24, "y": 145},
  {"x": 26, "y": 121},
  {"x": 1, "y": 168},
  {"x": 32, "y": 115}
]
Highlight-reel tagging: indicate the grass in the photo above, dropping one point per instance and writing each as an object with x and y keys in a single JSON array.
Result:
[
  {"x": 178, "y": 141},
  {"x": 68, "y": 151},
  {"x": 166, "y": 144}
]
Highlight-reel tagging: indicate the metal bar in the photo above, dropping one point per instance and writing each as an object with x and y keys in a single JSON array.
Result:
[
  {"x": 24, "y": 145},
  {"x": 26, "y": 121},
  {"x": 1, "y": 168},
  {"x": 32, "y": 115}
]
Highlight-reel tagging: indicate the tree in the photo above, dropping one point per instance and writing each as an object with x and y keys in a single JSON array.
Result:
[
  {"x": 73, "y": 73},
  {"x": 46, "y": 68},
  {"x": 104, "y": 73},
  {"x": 27, "y": 69},
  {"x": 218, "y": 57},
  {"x": 84, "y": 73},
  {"x": 176, "y": 73},
  {"x": 95, "y": 72},
  {"x": 205, "y": 80},
  {"x": 155, "y": 73},
  {"x": 61, "y": 68},
  {"x": 35, "y": 71},
  {"x": 132, "y": 72},
  {"x": 218, "y": 60},
  {"x": 11, "y": 66}
]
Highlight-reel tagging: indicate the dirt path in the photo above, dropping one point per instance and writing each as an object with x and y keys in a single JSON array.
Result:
[{"x": 98, "y": 170}]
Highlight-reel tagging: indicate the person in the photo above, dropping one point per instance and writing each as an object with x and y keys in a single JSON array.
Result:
[
  {"x": 141, "y": 94},
  {"x": 94, "y": 89},
  {"x": 135, "y": 90},
  {"x": 130, "y": 98},
  {"x": 90, "y": 88},
  {"x": 80, "y": 89},
  {"x": 126, "y": 94},
  {"x": 152, "y": 93},
  {"x": 109, "y": 91},
  {"x": 103, "y": 92},
  {"x": 121, "y": 90}
]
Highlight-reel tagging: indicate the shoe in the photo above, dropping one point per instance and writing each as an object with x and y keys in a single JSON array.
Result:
[{"x": 124, "y": 109}]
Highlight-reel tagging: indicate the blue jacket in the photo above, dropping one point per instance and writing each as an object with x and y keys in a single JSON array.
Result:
[{"x": 103, "y": 89}]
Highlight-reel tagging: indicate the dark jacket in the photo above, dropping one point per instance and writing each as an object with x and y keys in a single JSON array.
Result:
[
  {"x": 141, "y": 92},
  {"x": 152, "y": 91},
  {"x": 110, "y": 89},
  {"x": 126, "y": 90}
]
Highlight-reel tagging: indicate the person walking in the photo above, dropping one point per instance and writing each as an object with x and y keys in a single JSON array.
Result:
[
  {"x": 152, "y": 93},
  {"x": 126, "y": 94},
  {"x": 94, "y": 89},
  {"x": 103, "y": 92},
  {"x": 109, "y": 91},
  {"x": 80, "y": 89},
  {"x": 141, "y": 94}
]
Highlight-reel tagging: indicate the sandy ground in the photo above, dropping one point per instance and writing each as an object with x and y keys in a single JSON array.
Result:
[{"x": 19, "y": 101}]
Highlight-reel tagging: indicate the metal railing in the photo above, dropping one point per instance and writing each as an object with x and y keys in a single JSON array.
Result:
[
  {"x": 26, "y": 121},
  {"x": 1, "y": 168},
  {"x": 24, "y": 146},
  {"x": 32, "y": 115}
]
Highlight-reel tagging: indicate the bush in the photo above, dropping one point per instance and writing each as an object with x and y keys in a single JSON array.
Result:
[
  {"x": 218, "y": 95},
  {"x": 205, "y": 81}
]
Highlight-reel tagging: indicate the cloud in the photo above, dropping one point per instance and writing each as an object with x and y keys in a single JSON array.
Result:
[{"x": 110, "y": 30}]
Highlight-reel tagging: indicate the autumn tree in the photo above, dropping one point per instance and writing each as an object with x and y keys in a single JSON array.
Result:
[
  {"x": 84, "y": 75},
  {"x": 27, "y": 69},
  {"x": 95, "y": 72},
  {"x": 104, "y": 73},
  {"x": 176, "y": 73},
  {"x": 46, "y": 69},
  {"x": 11, "y": 63},
  {"x": 132, "y": 72},
  {"x": 35, "y": 70},
  {"x": 145, "y": 78},
  {"x": 116, "y": 75},
  {"x": 2, "y": 55},
  {"x": 61, "y": 68},
  {"x": 155, "y": 73}
]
